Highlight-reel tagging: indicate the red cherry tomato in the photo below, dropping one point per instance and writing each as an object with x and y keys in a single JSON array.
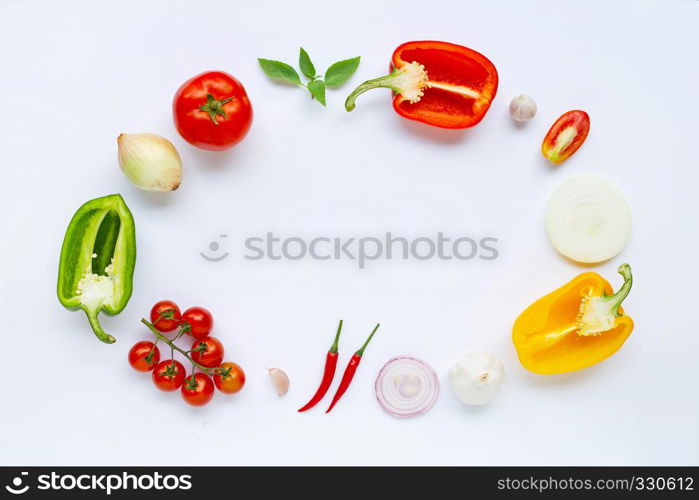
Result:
[
  {"x": 200, "y": 321},
  {"x": 198, "y": 389},
  {"x": 165, "y": 324},
  {"x": 143, "y": 356},
  {"x": 168, "y": 375},
  {"x": 229, "y": 378},
  {"x": 212, "y": 111},
  {"x": 207, "y": 351}
]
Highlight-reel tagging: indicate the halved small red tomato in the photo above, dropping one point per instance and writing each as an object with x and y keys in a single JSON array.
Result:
[{"x": 566, "y": 135}]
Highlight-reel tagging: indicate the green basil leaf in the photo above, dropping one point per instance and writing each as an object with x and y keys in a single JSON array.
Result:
[
  {"x": 339, "y": 73},
  {"x": 280, "y": 70},
  {"x": 306, "y": 65},
  {"x": 317, "y": 90}
]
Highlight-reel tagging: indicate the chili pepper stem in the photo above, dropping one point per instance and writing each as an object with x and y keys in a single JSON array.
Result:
[
  {"x": 173, "y": 347},
  {"x": 334, "y": 347},
  {"x": 360, "y": 352},
  {"x": 408, "y": 80}
]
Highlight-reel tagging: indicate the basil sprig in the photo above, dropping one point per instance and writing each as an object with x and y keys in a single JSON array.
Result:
[{"x": 337, "y": 74}]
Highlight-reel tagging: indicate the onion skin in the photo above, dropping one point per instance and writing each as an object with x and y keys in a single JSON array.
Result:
[
  {"x": 150, "y": 162},
  {"x": 397, "y": 371}
]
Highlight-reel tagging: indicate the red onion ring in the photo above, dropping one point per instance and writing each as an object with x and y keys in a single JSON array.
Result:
[{"x": 406, "y": 387}]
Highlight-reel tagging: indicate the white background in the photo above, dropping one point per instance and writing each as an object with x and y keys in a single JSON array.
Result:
[{"x": 75, "y": 75}]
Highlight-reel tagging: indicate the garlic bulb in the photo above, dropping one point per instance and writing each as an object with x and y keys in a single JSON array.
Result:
[
  {"x": 280, "y": 380},
  {"x": 476, "y": 377},
  {"x": 150, "y": 162},
  {"x": 522, "y": 108}
]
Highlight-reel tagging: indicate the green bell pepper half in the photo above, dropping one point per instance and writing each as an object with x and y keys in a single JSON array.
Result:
[{"x": 97, "y": 262}]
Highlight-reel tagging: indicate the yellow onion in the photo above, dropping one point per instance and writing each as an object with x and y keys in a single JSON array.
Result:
[{"x": 150, "y": 161}]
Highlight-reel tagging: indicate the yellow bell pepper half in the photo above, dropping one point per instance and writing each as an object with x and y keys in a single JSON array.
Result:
[{"x": 574, "y": 327}]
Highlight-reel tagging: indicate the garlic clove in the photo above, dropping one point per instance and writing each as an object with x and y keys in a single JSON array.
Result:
[
  {"x": 522, "y": 108},
  {"x": 280, "y": 380},
  {"x": 150, "y": 161},
  {"x": 476, "y": 378}
]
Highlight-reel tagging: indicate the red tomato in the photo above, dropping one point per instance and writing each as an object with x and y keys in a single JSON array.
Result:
[
  {"x": 143, "y": 356},
  {"x": 566, "y": 136},
  {"x": 198, "y": 389},
  {"x": 229, "y": 378},
  {"x": 212, "y": 111},
  {"x": 165, "y": 324},
  {"x": 207, "y": 351},
  {"x": 168, "y": 375},
  {"x": 200, "y": 321}
]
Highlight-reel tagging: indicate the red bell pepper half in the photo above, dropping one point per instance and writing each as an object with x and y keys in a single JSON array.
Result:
[
  {"x": 437, "y": 83},
  {"x": 566, "y": 135}
]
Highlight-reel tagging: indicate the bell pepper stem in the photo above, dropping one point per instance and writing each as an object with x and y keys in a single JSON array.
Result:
[
  {"x": 97, "y": 328},
  {"x": 617, "y": 298},
  {"x": 334, "y": 347},
  {"x": 360, "y": 352},
  {"x": 381, "y": 82},
  {"x": 409, "y": 81}
]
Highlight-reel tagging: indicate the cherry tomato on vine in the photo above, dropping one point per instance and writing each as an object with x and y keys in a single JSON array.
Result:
[
  {"x": 229, "y": 377},
  {"x": 165, "y": 324},
  {"x": 168, "y": 375},
  {"x": 200, "y": 321},
  {"x": 143, "y": 356},
  {"x": 198, "y": 389},
  {"x": 212, "y": 111},
  {"x": 207, "y": 351}
]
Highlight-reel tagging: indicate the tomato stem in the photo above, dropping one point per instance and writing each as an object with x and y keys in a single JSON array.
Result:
[
  {"x": 173, "y": 347},
  {"x": 214, "y": 107},
  {"x": 149, "y": 357},
  {"x": 169, "y": 314},
  {"x": 191, "y": 380}
]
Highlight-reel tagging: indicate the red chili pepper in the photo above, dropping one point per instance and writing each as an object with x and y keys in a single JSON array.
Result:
[
  {"x": 437, "y": 83},
  {"x": 328, "y": 373},
  {"x": 566, "y": 135},
  {"x": 350, "y": 371}
]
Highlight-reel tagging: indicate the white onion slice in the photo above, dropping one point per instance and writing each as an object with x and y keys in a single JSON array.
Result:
[
  {"x": 588, "y": 219},
  {"x": 406, "y": 387}
]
